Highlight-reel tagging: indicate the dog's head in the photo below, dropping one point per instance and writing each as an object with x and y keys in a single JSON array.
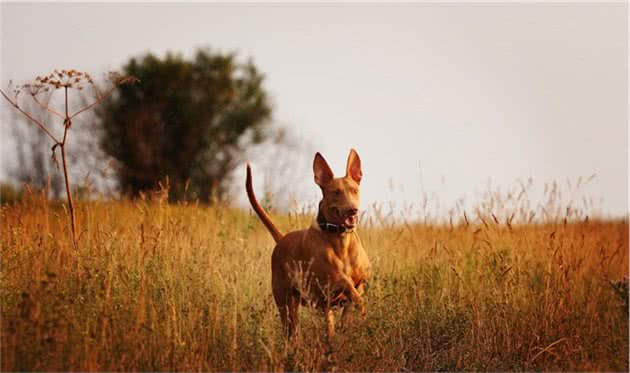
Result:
[{"x": 340, "y": 204}]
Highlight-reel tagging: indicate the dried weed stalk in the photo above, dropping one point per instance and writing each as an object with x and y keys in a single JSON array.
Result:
[{"x": 41, "y": 91}]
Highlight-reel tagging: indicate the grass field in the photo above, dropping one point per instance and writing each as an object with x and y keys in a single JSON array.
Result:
[{"x": 158, "y": 287}]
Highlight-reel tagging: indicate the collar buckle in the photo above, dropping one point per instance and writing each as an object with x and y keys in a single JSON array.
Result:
[{"x": 332, "y": 228}]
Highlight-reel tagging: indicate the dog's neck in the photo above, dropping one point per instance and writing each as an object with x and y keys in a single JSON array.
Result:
[{"x": 338, "y": 235}]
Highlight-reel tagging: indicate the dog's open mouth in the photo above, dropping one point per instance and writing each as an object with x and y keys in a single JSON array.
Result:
[{"x": 350, "y": 221}]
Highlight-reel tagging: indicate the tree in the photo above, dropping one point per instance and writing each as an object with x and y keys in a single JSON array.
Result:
[{"x": 189, "y": 121}]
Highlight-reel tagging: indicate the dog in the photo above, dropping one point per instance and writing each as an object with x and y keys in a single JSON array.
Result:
[{"x": 325, "y": 265}]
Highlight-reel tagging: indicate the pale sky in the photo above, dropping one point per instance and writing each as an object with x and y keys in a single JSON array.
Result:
[{"x": 450, "y": 94}]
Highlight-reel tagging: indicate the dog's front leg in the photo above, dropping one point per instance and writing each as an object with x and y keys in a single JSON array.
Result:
[
  {"x": 330, "y": 320},
  {"x": 354, "y": 294}
]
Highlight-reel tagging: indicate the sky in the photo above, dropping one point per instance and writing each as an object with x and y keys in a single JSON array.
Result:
[{"x": 440, "y": 98}]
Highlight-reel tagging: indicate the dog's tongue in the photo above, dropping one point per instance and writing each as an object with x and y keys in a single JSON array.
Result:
[{"x": 350, "y": 221}]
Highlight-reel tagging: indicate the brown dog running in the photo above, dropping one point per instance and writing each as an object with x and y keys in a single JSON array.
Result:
[{"x": 326, "y": 264}]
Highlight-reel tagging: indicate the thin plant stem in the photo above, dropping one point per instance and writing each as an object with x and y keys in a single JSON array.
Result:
[
  {"x": 29, "y": 116},
  {"x": 65, "y": 173},
  {"x": 98, "y": 101},
  {"x": 47, "y": 108}
]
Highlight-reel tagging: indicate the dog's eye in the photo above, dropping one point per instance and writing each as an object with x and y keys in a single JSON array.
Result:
[
  {"x": 355, "y": 191},
  {"x": 337, "y": 192}
]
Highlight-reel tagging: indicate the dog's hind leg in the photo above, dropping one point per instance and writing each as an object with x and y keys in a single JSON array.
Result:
[{"x": 289, "y": 308}]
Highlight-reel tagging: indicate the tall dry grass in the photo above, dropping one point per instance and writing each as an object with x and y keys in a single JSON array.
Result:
[{"x": 158, "y": 287}]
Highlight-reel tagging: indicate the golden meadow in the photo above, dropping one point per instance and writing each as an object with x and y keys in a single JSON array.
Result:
[{"x": 153, "y": 286}]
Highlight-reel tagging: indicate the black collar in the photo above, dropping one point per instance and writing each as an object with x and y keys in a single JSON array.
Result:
[{"x": 329, "y": 227}]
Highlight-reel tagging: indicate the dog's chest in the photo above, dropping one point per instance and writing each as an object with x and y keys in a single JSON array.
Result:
[{"x": 352, "y": 267}]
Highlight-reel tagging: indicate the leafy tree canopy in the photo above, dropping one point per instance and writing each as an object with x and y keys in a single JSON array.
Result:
[{"x": 188, "y": 120}]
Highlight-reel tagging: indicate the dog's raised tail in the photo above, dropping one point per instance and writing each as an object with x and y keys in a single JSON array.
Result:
[{"x": 259, "y": 210}]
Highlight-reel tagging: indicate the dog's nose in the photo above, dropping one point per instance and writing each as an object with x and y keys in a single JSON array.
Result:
[{"x": 351, "y": 212}]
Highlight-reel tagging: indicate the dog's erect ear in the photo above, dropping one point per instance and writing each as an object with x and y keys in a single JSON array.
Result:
[
  {"x": 322, "y": 171},
  {"x": 353, "y": 168}
]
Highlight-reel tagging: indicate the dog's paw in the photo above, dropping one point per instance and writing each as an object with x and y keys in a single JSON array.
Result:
[{"x": 362, "y": 311}]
